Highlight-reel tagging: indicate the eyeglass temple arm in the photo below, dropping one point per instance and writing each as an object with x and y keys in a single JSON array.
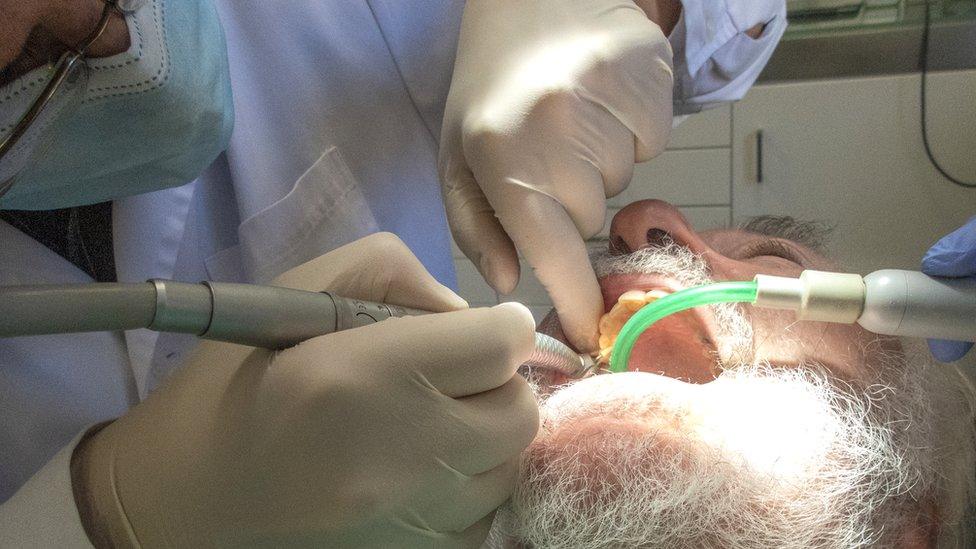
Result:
[{"x": 63, "y": 67}]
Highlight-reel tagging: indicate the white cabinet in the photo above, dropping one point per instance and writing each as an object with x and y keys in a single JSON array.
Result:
[
  {"x": 683, "y": 177},
  {"x": 849, "y": 152},
  {"x": 711, "y": 128}
]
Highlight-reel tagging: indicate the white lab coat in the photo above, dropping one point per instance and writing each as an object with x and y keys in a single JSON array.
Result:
[{"x": 338, "y": 106}]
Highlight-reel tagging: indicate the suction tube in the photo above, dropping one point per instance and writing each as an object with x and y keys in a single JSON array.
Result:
[
  {"x": 708, "y": 294},
  {"x": 889, "y": 302}
]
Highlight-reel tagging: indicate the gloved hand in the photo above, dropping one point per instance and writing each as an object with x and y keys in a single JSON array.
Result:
[
  {"x": 551, "y": 103},
  {"x": 400, "y": 434},
  {"x": 954, "y": 255}
]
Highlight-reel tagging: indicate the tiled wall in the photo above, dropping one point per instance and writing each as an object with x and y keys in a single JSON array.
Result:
[{"x": 695, "y": 174}]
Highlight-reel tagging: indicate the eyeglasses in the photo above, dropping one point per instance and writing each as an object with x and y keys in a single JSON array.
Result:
[{"x": 69, "y": 73}]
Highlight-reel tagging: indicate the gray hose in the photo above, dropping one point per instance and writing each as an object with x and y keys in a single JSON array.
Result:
[
  {"x": 260, "y": 316},
  {"x": 66, "y": 308}
]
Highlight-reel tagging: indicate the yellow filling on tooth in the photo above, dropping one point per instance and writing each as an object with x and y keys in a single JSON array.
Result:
[{"x": 610, "y": 324}]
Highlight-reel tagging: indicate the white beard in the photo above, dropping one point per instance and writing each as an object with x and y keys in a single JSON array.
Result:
[{"x": 760, "y": 457}]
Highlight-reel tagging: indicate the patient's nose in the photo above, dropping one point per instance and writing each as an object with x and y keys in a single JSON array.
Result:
[{"x": 650, "y": 223}]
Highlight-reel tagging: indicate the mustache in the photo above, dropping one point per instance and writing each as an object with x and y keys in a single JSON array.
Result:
[{"x": 670, "y": 259}]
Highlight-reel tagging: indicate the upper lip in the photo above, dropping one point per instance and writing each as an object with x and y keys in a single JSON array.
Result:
[{"x": 644, "y": 282}]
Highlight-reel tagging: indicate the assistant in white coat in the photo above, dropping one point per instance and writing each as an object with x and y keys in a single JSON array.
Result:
[
  {"x": 366, "y": 156},
  {"x": 114, "y": 143}
]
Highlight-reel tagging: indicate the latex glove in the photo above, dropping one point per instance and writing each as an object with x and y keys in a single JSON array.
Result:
[
  {"x": 954, "y": 255},
  {"x": 400, "y": 434},
  {"x": 551, "y": 103}
]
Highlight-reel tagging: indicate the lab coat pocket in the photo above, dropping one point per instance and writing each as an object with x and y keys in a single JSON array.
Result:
[{"x": 324, "y": 210}]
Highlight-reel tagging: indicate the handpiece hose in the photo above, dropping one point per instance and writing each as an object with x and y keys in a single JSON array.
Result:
[
  {"x": 260, "y": 316},
  {"x": 889, "y": 301}
]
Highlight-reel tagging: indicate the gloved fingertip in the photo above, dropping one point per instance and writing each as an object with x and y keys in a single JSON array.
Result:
[
  {"x": 949, "y": 351},
  {"x": 586, "y": 341},
  {"x": 939, "y": 262},
  {"x": 579, "y": 305},
  {"x": 590, "y": 341},
  {"x": 519, "y": 310},
  {"x": 519, "y": 323},
  {"x": 931, "y": 264},
  {"x": 584, "y": 336},
  {"x": 457, "y": 302},
  {"x": 501, "y": 273}
]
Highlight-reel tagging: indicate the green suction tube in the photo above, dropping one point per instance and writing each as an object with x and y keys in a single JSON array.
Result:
[{"x": 708, "y": 294}]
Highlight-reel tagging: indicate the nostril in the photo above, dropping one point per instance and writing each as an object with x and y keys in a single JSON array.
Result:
[
  {"x": 657, "y": 238},
  {"x": 618, "y": 246}
]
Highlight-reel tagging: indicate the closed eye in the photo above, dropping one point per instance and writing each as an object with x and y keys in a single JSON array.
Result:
[{"x": 772, "y": 247}]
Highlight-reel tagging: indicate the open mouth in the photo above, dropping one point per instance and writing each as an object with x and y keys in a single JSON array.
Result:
[{"x": 681, "y": 346}]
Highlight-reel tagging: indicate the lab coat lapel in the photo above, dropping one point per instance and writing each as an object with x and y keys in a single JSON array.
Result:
[{"x": 422, "y": 36}]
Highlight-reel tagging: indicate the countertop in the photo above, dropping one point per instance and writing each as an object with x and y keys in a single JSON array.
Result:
[{"x": 819, "y": 51}]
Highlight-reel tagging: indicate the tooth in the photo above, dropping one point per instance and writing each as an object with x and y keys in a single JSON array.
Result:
[
  {"x": 612, "y": 321},
  {"x": 654, "y": 295},
  {"x": 632, "y": 300},
  {"x": 610, "y": 324}
]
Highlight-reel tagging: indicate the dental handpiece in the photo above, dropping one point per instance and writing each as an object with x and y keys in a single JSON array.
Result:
[
  {"x": 260, "y": 316},
  {"x": 888, "y": 302}
]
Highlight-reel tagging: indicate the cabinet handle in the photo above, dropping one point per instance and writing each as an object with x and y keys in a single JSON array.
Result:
[{"x": 759, "y": 156}]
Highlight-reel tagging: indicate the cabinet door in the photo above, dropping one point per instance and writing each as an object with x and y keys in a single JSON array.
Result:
[{"x": 849, "y": 153}]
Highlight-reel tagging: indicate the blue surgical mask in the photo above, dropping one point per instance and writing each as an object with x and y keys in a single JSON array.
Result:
[
  {"x": 715, "y": 61},
  {"x": 150, "y": 118}
]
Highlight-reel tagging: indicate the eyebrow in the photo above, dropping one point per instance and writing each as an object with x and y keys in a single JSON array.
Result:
[{"x": 812, "y": 234}]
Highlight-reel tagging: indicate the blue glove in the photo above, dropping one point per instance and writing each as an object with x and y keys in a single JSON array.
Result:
[{"x": 955, "y": 256}]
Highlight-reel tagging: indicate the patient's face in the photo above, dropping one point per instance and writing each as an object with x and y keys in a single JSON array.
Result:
[
  {"x": 686, "y": 345},
  {"x": 736, "y": 427}
]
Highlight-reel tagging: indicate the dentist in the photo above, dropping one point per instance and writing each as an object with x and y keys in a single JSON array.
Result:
[{"x": 403, "y": 433}]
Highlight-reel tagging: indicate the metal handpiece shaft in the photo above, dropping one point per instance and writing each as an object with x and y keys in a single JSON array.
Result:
[{"x": 261, "y": 316}]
